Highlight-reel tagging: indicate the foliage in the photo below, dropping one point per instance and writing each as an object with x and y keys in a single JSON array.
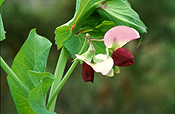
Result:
[
  {"x": 80, "y": 24},
  {"x": 120, "y": 12},
  {"x": 31, "y": 59},
  {"x": 1, "y": 1}
]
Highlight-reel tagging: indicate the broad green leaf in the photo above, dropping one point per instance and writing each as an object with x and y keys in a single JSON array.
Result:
[
  {"x": 37, "y": 96},
  {"x": 1, "y": 1},
  {"x": 2, "y": 32},
  {"x": 32, "y": 56},
  {"x": 121, "y": 13}
]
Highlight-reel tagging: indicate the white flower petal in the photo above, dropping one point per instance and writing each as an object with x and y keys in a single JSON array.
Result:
[{"x": 104, "y": 66}]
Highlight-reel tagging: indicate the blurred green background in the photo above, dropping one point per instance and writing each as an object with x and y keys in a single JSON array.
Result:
[{"x": 148, "y": 87}]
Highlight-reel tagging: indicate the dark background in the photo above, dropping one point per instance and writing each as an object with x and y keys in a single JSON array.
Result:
[{"x": 148, "y": 87}]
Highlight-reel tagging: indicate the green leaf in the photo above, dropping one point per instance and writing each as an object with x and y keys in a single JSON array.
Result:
[
  {"x": 99, "y": 47},
  {"x": 62, "y": 34},
  {"x": 1, "y": 1},
  {"x": 2, "y": 32},
  {"x": 93, "y": 20},
  {"x": 74, "y": 44},
  {"x": 105, "y": 26},
  {"x": 32, "y": 56},
  {"x": 85, "y": 21},
  {"x": 37, "y": 96},
  {"x": 121, "y": 13},
  {"x": 84, "y": 8},
  {"x": 21, "y": 102}
]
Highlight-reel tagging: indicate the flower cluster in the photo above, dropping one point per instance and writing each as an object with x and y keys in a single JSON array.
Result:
[{"x": 115, "y": 57}]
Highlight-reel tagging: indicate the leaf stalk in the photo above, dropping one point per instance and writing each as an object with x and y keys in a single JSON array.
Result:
[{"x": 14, "y": 77}]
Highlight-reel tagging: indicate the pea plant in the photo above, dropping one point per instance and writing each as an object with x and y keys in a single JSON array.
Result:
[{"x": 94, "y": 37}]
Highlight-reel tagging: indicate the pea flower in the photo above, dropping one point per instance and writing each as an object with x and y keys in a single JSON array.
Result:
[
  {"x": 114, "y": 39},
  {"x": 117, "y": 37},
  {"x": 94, "y": 63}
]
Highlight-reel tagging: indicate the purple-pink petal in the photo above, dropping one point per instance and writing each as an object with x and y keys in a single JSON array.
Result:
[
  {"x": 87, "y": 72},
  {"x": 119, "y": 36},
  {"x": 122, "y": 57}
]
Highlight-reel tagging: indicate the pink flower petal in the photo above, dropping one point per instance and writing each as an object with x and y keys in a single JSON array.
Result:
[
  {"x": 122, "y": 57},
  {"x": 118, "y": 36},
  {"x": 87, "y": 72}
]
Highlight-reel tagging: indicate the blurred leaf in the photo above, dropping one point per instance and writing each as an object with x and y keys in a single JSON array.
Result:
[
  {"x": 2, "y": 32},
  {"x": 121, "y": 13},
  {"x": 32, "y": 56},
  {"x": 37, "y": 96},
  {"x": 1, "y": 1}
]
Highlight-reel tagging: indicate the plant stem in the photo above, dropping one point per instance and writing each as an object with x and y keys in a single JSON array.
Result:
[
  {"x": 58, "y": 73},
  {"x": 63, "y": 81},
  {"x": 14, "y": 77},
  {"x": 61, "y": 84}
]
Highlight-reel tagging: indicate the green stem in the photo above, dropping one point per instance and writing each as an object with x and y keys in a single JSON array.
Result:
[
  {"x": 58, "y": 73},
  {"x": 61, "y": 84},
  {"x": 63, "y": 81},
  {"x": 14, "y": 77}
]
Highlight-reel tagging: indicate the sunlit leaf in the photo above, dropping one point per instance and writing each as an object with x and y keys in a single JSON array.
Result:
[{"x": 32, "y": 56}]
